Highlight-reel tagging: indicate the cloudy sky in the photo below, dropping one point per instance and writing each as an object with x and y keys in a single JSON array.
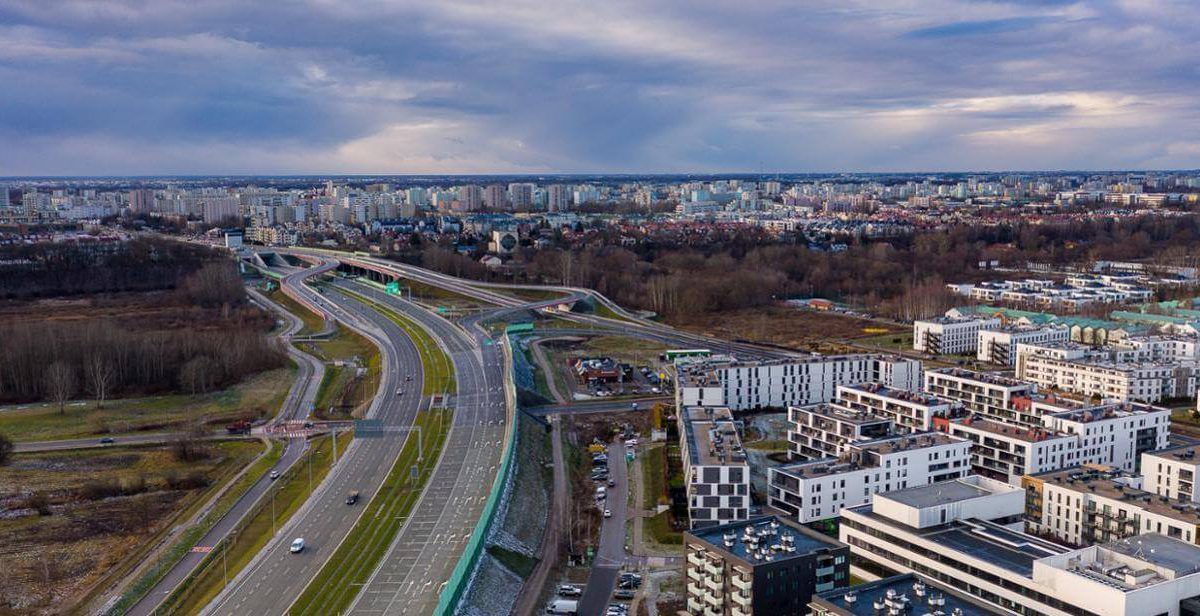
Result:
[{"x": 513, "y": 86}]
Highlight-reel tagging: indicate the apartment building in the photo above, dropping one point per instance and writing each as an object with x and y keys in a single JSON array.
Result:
[
  {"x": 714, "y": 466},
  {"x": 950, "y": 336},
  {"x": 910, "y": 410},
  {"x": 825, "y": 430},
  {"x": 1171, "y": 472},
  {"x": 999, "y": 345},
  {"x": 769, "y": 565},
  {"x": 1087, "y": 505},
  {"x": 900, "y": 594},
  {"x": 820, "y": 489},
  {"x": 743, "y": 385},
  {"x": 1093, "y": 377},
  {"x": 1113, "y": 434},
  {"x": 990, "y": 395}
]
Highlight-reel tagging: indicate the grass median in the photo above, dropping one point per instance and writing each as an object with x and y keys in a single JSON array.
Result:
[
  {"x": 345, "y": 573},
  {"x": 291, "y": 490},
  {"x": 437, "y": 367}
]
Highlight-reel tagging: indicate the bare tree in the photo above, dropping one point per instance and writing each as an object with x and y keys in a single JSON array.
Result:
[
  {"x": 6, "y": 449},
  {"x": 100, "y": 375},
  {"x": 59, "y": 380}
]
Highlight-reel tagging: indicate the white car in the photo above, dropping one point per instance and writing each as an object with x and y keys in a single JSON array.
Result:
[
  {"x": 399, "y": 392},
  {"x": 297, "y": 545},
  {"x": 608, "y": 513}
]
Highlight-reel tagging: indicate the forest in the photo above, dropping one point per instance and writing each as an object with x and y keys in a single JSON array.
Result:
[
  {"x": 199, "y": 335},
  {"x": 899, "y": 278}
]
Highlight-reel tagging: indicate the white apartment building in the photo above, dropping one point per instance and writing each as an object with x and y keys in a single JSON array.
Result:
[
  {"x": 990, "y": 395},
  {"x": 825, "y": 430},
  {"x": 1142, "y": 381},
  {"x": 714, "y": 466},
  {"x": 1113, "y": 435},
  {"x": 1094, "y": 504},
  {"x": 820, "y": 489},
  {"x": 950, "y": 336},
  {"x": 999, "y": 346},
  {"x": 960, "y": 534},
  {"x": 1172, "y": 472},
  {"x": 913, "y": 411},
  {"x": 723, "y": 381}
]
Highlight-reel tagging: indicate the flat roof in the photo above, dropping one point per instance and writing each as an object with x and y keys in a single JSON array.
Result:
[
  {"x": 1179, "y": 557},
  {"x": 712, "y": 435},
  {"x": 1020, "y": 433},
  {"x": 903, "y": 395},
  {"x": 772, "y": 532},
  {"x": 1179, "y": 452},
  {"x": 941, "y": 493},
  {"x": 991, "y": 378},
  {"x": 843, "y": 414},
  {"x": 859, "y": 600},
  {"x": 1105, "y": 483}
]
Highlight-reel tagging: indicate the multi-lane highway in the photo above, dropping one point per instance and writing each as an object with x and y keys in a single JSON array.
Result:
[
  {"x": 300, "y": 398},
  {"x": 423, "y": 555},
  {"x": 275, "y": 578}
]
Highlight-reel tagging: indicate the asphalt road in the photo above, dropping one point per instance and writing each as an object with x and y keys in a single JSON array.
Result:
[
  {"x": 421, "y": 559},
  {"x": 93, "y": 441},
  {"x": 610, "y": 555},
  {"x": 300, "y": 398},
  {"x": 275, "y": 578},
  {"x": 603, "y": 405}
]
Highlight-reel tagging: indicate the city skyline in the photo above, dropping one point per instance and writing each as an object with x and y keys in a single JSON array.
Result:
[{"x": 123, "y": 88}]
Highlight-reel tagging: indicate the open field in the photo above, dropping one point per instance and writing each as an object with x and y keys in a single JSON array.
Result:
[
  {"x": 291, "y": 490},
  {"x": 259, "y": 396},
  {"x": 804, "y": 330},
  {"x": 96, "y": 511},
  {"x": 336, "y": 585},
  {"x": 344, "y": 391}
]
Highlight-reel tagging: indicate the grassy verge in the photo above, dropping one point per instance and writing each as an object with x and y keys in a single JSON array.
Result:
[
  {"x": 342, "y": 389},
  {"x": 313, "y": 322},
  {"x": 658, "y": 528},
  {"x": 291, "y": 491},
  {"x": 436, "y": 365},
  {"x": 769, "y": 445},
  {"x": 342, "y": 577},
  {"x": 257, "y": 396},
  {"x": 654, "y": 474},
  {"x": 188, "y": 538},
  {"x": 516, "y": 562}
]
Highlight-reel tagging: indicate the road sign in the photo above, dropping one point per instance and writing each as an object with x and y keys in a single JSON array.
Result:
[
  {"x": 393, "y": 288},
  {"x": 367, "y": 428}
]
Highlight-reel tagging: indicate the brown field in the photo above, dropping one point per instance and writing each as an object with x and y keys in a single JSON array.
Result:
[
  {"x": 99, "y": 509},
  {"x": 804, "y": 330}
]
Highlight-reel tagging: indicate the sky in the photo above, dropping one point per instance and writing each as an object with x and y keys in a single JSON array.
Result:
[{"x": 145, "y": 87}]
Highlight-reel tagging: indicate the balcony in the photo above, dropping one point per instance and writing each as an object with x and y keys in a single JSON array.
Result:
[
  {"x": 694, "y": 574},
  {"x": 740, "y": 582},
  {"x": 714, "y": 569},
  {"x": 741, "y": 598},
  {"x": 694, "y": 558},
  {"x": 824, "y": 571},
  {"x": 737, "y": 611},
  {"x": 694, "y": 606},
  {"x": 714, "y": 585}
]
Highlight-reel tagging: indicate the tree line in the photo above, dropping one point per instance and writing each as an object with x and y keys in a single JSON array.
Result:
[{"x": 696, "y": 273}]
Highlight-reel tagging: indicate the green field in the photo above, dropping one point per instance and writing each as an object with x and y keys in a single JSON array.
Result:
[
  {"x": 342, "y": 577},
  {"x": 291, "y": 490},
  {"x": 259, "y": 396},
  {"x": 658, "y": 528},
  {"x": 313, "y": 322},
  {"x": 654, "y": 475}
]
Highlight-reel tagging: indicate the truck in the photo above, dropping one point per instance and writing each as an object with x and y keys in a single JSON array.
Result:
[
  {"x": 240, "y": 426},
  {"x": 563, "y": 606}
]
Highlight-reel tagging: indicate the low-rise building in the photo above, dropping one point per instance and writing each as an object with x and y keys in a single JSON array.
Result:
[
  {"x": 999, "y": 345},
  {"x": 820, "y": 489},
  {"x": 768, "y": 565},
  {"x": 950, "y": 336},
  {"x": 1087, "y": 375},
  {"x": 1086, "y": 505},
  {"x": 983, "y": 393},
  {"x": 1171, "y": 472},
  {"x": 900, "y": 594},
  {"x": 744, "y": 385},
  {"x": 824, "y": 430},
  {"x": 715, "y": 469},
  {"x": 910, "y": 410}
]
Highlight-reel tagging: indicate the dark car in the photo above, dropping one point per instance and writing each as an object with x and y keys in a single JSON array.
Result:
[{"x": 352, "y": 498}]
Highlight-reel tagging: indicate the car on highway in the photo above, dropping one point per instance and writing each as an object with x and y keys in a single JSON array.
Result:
[
  {"x": 570, "y": 590},
  {"x": 297, "y": 545},
  {"x": 352, "y": 498},
  {"x": 108, "y": 440},
  {"x": 273, "y": 476},
  {"x": 408, "y": 378},
  {"x": 399, "y": 392}
]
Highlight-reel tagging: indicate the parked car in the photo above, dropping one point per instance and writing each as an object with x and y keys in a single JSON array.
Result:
[
  {"x": 569, "y": 590},
  {"x": 297, "y": 545},
  {"x": 623, "y": 593},
  {"x": 608, "y": 513}
]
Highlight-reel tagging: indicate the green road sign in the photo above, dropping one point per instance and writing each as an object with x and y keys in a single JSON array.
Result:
[{"x": 393, "y": 288}]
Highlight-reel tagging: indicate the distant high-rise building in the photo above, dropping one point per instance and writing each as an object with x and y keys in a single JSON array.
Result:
[
  {"x": 417, "y": 196},
  {"x": 558, "y": 197},
  {"x": 520, "y": 195},
  {"x": 141, "y": 200},
  {"x": 470, "y": 197},
  {"x": 495, "y": 197}
]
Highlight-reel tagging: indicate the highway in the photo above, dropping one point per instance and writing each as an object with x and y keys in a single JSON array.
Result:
[
  {"x": 275, "y": 577},
  {"x": 300, "y": 398},
  {"x": 425, "y": 552},
  {"x": 603, "y": 405}
]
